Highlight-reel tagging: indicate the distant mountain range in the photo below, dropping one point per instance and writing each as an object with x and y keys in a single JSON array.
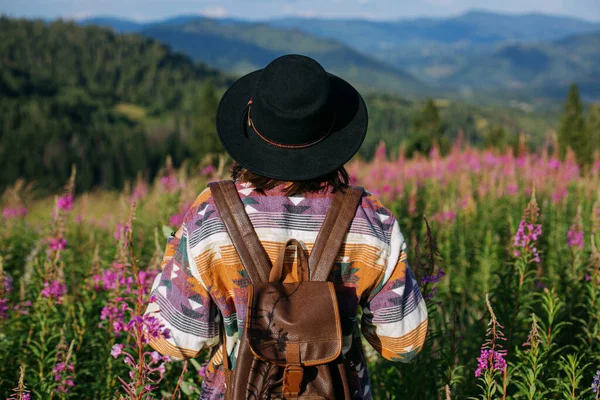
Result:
[
  {"x": 544, "y": 67},
  {"x": 531, "y": 55},
  {"x": 238, "y": 47}
]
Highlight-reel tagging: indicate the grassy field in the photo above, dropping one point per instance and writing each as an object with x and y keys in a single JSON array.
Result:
[{"x": 508, "y": 261}]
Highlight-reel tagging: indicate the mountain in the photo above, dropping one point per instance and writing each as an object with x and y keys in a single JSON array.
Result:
[
  {"x": 479, "y": 50},
  {"x": 434, "y": 49},
  {"x": 118, "y": 24},
  {"x": 475, "y": 27},
  {"x": 240, "y": 46},
  {"x": 545, "y": 67}
]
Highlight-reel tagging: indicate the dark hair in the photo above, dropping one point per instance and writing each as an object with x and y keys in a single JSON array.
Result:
[{"x": 337, "y": 179}]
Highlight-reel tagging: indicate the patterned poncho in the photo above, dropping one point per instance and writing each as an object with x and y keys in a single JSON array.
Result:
[{"x": 203, "y": 280}]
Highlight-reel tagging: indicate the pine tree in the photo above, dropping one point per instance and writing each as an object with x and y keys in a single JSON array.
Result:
[
  {"x": 496, "y": 138},
  {"x": 593, "y": 127},
  {"x": 572, "y": 132},
  {"x": 427, "y": 131}
]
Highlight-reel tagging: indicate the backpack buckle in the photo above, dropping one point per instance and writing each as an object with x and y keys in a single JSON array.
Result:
[{"x": 292, "y": 378}]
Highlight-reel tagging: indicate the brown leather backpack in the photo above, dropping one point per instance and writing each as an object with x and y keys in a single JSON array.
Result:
[{"x": 291, "y": 344}]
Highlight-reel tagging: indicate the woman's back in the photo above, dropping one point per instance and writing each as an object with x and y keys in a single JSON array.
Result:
[{"x": 203, "y": 276}]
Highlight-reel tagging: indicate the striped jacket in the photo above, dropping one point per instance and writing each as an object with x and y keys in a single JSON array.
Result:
[{"x": 202, "y": 278}]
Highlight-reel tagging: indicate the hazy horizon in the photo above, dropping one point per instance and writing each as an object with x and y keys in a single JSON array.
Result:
[{"x": 380, "y": 10}]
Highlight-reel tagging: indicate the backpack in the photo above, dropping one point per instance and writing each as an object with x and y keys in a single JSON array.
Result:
[{"x": 291, "y": 345}]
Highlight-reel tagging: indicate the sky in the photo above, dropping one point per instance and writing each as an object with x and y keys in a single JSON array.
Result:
[{"x": 148, "y": 10}]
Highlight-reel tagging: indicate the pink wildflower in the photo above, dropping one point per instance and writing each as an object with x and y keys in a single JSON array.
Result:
[
  {"x": 54, "y": 290},
  {"x": 575, "y": 237},
  {"x": 140, "y": 191},
  {"x": 207, "y": 171},
  {"x": 4, "y": 308},
  {"x": 490, "y": 358},
  {"x": 57, "y": 244},
  {"x": 169, "y": 183},
  {"x": 65, "y": 203},
  {"x": 526, "y": 236},
  {"x": 117, "y": 350},
  {"x": 60, "y": 370},
  {"x": 202, "y": 371},
  {"x": 12, "y": 213}
]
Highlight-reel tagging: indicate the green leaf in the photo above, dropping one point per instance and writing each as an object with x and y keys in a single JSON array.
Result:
[{"x": 166, "y": 230}]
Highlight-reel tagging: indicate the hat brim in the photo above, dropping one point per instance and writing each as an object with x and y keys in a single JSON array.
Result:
[{"x": 258, "y": 156}]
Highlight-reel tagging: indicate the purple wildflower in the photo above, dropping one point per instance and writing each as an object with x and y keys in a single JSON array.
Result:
[
  {"x": 4, "y": 308},
  {"x": 596, "y": 382},
  {"x": 57, "y": 244},
  {"x": 140, "y": 190},
  {"x": 177, "y": 219},
  {"x": 114, "y": 315},
  {"x": 55, "y": 290},
  {"x": 433, "y": 278},
  {"x": 526, "y": 236},
  {"x": 490, "y": 358},
  {"x": 207, "y": 171},
  {"x": 575, "y": 237},
  {"x": 65, "y": 203},
  {"x": 62, "y": 373},
  {"x": 150, "y": 327},
  {"x": 11, "y": 213},
  {"x": 169, "y": 183},
  {"x": 117, "y": 350}
]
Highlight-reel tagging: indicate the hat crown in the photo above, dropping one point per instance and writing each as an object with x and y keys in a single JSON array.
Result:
[
  {"x": 291, "y": 104},
  {"x": 293, "y": 86}
]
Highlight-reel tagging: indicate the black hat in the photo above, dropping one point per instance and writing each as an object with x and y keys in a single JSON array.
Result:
[{"x": 291, "y": 120}]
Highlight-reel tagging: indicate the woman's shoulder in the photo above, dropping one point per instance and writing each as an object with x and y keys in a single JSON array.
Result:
[{"x": 373, "y": 203}]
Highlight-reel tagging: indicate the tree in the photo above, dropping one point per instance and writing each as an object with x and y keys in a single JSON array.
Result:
[
  {"x": 593, "y": 127},
  {"x": 427, "y": 131},
  {"x": 496, "y": 138},
  {"x": 572, "y": 128}
]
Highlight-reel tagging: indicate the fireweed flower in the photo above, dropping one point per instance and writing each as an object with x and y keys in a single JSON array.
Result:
[
  {"x": 63, "y": 374},
  {"x": 4, "y": 307},
  {"x": 57, "y": 244},
  {"x": 149, "y": 326},
  {"x": 528, "y": 232},
  {"x": 65, "y": 203},
  {"x": 117, "y": 350},
  {"x": 54, "y": 290},
  {"x": 139, "y": 191},
  {"x": 575, "y": 234},
  {"x": 596, "y": 382},
  {"x": 207, "y": 171},
  {"x": 12, "y": 213},
  {"x": 488, "y": 358},
  {"x": 202, "y": 371},
  {"x": 575, "y": 237},
  {"x": 492, "y": 355},
  {"x": 169, "y": 183}
]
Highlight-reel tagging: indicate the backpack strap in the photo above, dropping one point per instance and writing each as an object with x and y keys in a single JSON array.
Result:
[
  {"x": 331, "y": 236},
  {"x": 239, "y": 227}
]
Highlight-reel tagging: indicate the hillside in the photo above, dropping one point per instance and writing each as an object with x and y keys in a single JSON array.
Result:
[
  {"x": 478, "y": 50},
  {"x": 546, "y": 67},
  {"x": 471, "y": 28},
  {"x": 447, "y": 54},
  {"x": 239, "y": 46},
  {"x": 85, "y": 96}
]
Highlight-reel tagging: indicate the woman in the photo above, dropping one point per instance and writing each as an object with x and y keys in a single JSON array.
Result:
[{"x": 290, "y": 128}]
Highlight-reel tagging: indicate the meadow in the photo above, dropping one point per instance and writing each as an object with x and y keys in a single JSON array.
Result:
[{"x": 504, "y": 245}]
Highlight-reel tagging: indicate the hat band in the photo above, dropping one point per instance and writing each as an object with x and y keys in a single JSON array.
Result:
[{"x": 283, "y": 145}]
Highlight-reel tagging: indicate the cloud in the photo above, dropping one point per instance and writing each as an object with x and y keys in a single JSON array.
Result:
[{"x": 214, "y": 12}]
